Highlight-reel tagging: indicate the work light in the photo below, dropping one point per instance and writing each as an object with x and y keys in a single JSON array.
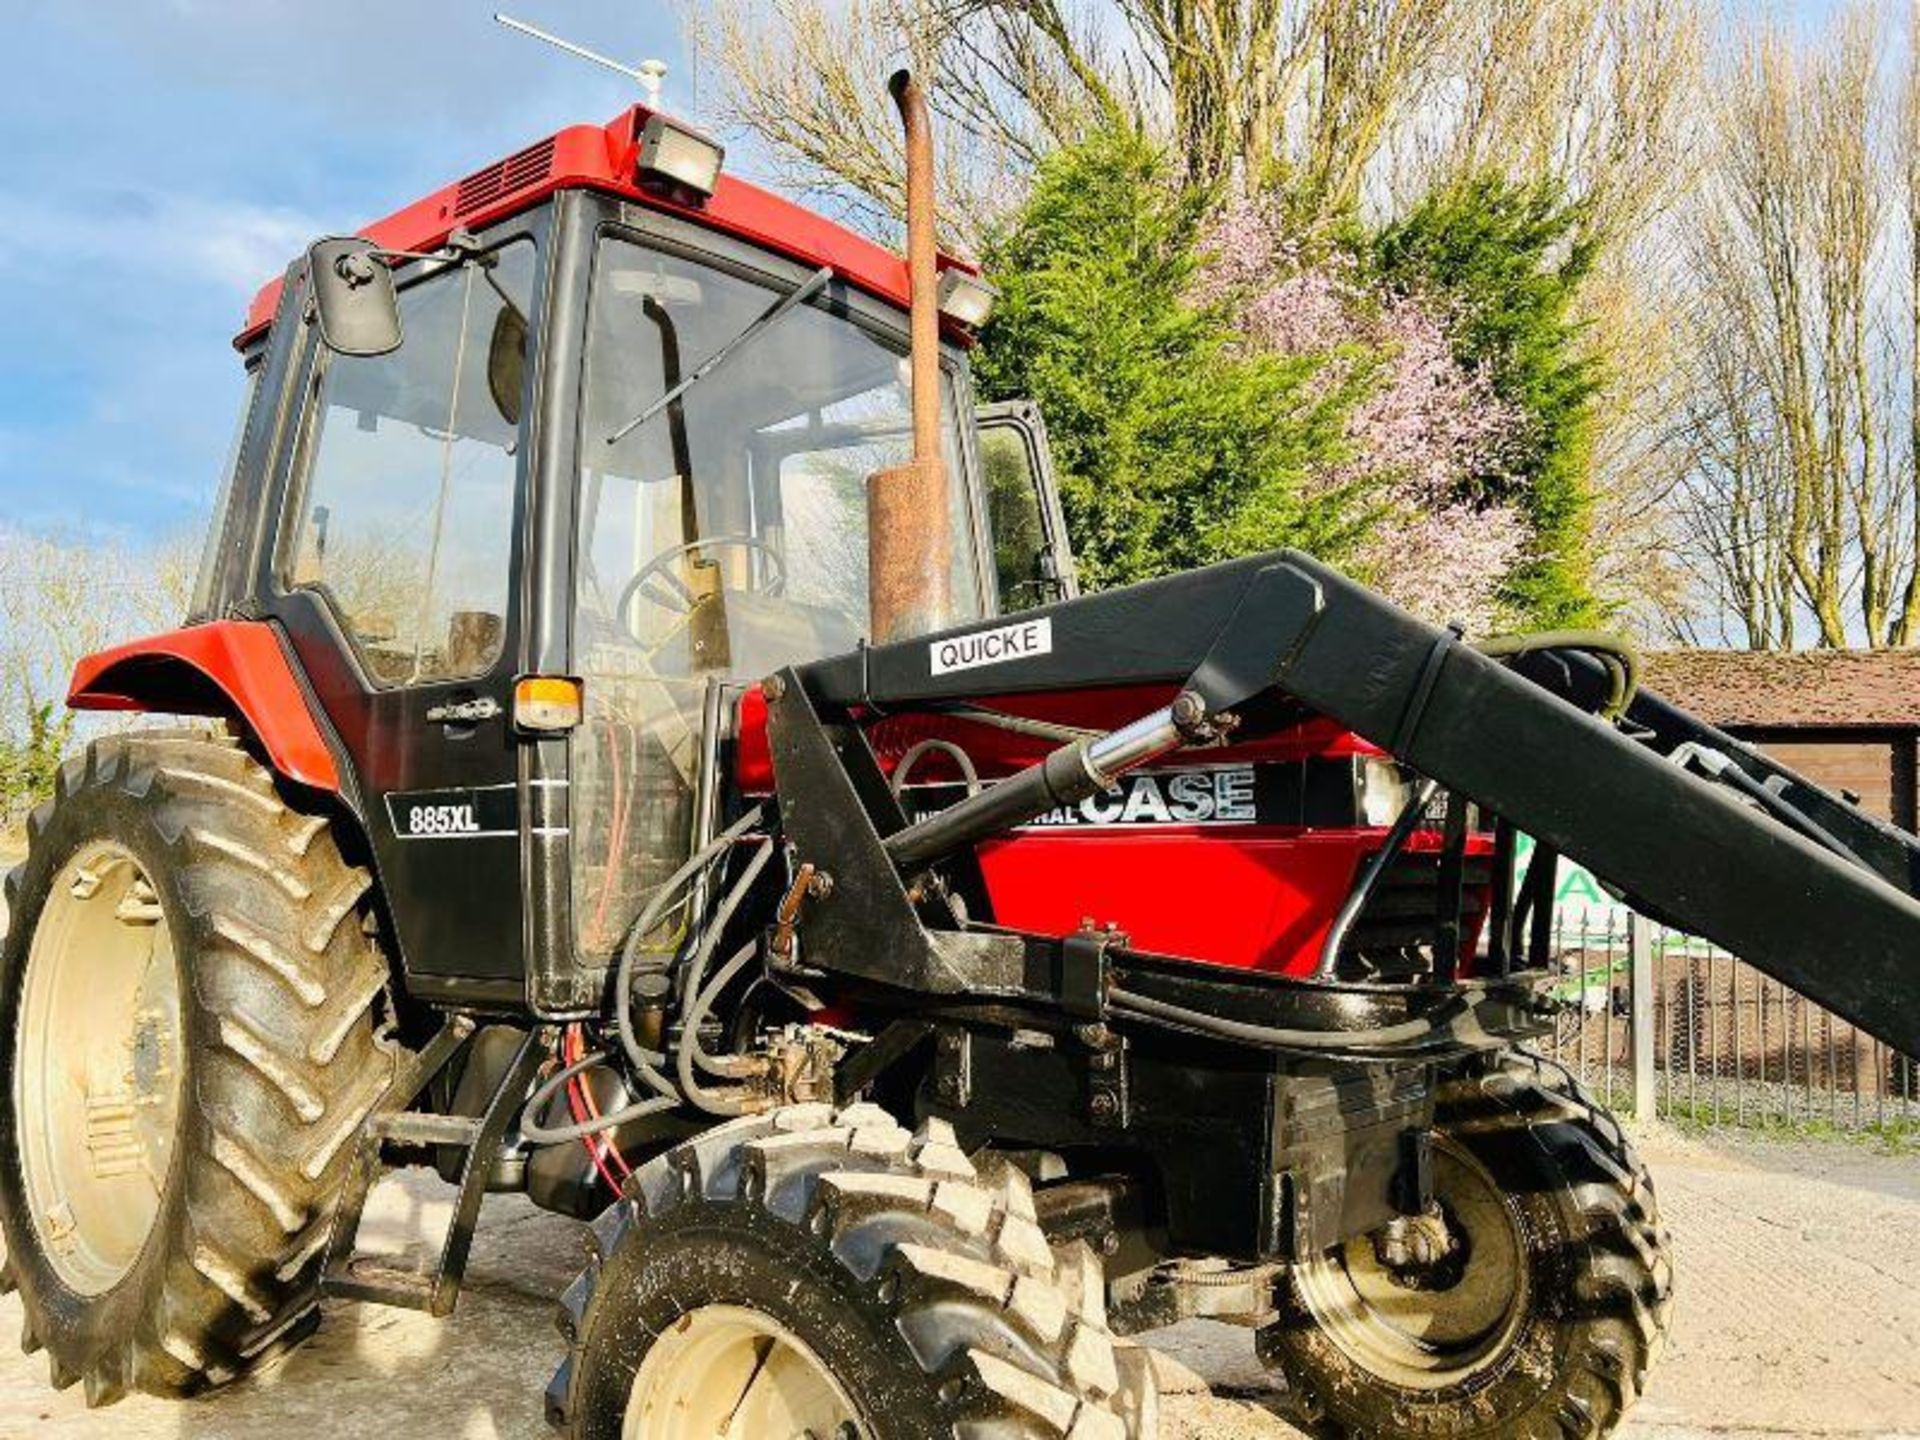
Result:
[
  {"x": 679, "y": 158},
  {"x": 965, "y": 299}
]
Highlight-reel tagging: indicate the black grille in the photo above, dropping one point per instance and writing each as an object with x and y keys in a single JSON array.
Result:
[
  {"x": 516, "y": 172},
  {"x": 1393, "y": 936}
]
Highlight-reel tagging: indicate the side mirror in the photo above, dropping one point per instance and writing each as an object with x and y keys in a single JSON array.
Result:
[{"x": 353, "y": 296}]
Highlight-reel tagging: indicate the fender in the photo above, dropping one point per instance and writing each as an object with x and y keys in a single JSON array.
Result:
[{"x": 234, "y": 668}]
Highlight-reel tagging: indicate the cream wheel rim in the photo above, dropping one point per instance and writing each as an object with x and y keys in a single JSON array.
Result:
[
  {"x": 724, "y": 1372},
  {"x": 1467, "y": 1317},
  {"x": 97, "y": 1067}
]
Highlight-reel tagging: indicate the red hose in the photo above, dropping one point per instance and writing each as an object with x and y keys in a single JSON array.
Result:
[{"x": 581, "y": 1104}]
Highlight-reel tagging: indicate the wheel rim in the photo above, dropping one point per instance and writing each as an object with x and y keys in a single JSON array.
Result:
[
  {"x": 97, "y": 1067},
  {"x": 1430, "y": 1338},
  {"x": 723, "y": 1372}
]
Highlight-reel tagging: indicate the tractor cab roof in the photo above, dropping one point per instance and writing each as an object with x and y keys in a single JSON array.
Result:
[{"x": 605, "y": 158}]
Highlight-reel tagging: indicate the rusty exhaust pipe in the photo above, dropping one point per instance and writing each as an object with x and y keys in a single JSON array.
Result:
[{"x": 909, "y": 514}]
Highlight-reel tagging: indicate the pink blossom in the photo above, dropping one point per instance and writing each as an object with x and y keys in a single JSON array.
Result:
[{"x": 1431, "y": 431}]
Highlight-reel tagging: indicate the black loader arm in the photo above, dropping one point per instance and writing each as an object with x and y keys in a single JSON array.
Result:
[{"x": 1692, "y": 826}]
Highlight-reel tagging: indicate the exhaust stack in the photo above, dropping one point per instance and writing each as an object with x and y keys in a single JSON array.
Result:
[{"x": 909, "y": 514}]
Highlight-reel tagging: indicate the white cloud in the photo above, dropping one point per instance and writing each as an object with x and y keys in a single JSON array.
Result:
[{"x": 194, "y": 239}]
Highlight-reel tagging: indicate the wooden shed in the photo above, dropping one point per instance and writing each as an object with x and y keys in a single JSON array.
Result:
[{"x": 1848, "y": 719}]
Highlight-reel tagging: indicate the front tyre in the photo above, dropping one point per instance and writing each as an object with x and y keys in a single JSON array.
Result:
[
  {"x": 807, "y": 1273},
  {"x": 1542, "y": 1317},
  {"x": 188, "y": 992}
]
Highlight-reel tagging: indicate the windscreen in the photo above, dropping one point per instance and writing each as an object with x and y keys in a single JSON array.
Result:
[{"x": 722, "y": 536}]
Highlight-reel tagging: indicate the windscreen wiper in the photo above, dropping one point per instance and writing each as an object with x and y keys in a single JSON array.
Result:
[{"x": 810, "y": 287}]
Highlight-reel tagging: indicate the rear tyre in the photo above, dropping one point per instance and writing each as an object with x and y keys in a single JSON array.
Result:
[
  {"x": 807, "y": 1273},
  {"x": 188, "y": 989},
  {"x": 1545, "y": 1319}
]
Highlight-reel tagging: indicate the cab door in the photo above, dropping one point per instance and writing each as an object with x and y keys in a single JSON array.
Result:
[
  {"x": 1032, "y": 559},
  {"x": 393, "y": 575}
]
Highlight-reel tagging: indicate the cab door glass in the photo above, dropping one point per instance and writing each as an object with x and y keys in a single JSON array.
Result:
[
  {"x": 406, "y": 520},
  {"x": 722, "y": 535},
  {"x": 1031, "y": 559}
]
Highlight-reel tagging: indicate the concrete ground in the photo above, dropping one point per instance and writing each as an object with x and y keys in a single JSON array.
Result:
[{"x": 1799, "y": 1315}]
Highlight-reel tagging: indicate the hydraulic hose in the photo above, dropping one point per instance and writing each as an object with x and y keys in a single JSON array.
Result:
[
  {"x": 643, "y": 1059},
  {"x": 532, "y": 1130},
  {"x": 1403, "y": 826},
  {"x": 716, "y": 927},
  {"x": 690, "y": 1054},
  {"x": 1722, "y": 769},
  {"x": 1613, "y": 651},
  {"x": 1268, "y": 1037}
]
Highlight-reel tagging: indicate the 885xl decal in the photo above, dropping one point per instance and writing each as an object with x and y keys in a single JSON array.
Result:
[{"x": 463, "y": 814}]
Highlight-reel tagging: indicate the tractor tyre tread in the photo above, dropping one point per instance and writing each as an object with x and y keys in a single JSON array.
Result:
[
  {"x": 1609, "y": 1305},
  {"x": 283, "y": 979},
  {"x": 978, "y": 1325}
]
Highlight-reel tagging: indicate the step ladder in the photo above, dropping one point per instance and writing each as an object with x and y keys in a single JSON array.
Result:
[{"x": 379, "y": 1279}]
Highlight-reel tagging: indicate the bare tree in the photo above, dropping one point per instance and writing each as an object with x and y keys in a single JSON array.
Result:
[
  {"x": 1797, "y": 479},
  {"x": 1313, "y": 92},
  {"x": 59, "y": 601}
]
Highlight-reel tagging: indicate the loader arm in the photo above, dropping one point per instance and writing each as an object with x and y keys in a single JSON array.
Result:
[{"x": 1794, "y": 880}]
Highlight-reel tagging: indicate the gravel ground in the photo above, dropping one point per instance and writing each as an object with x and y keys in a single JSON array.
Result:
[{"x": 1799, "y": 1314}]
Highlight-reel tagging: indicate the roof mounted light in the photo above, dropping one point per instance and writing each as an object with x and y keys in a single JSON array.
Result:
[
  {"x": 965, "y": 298},
  {"x": 679, "y": 159}
]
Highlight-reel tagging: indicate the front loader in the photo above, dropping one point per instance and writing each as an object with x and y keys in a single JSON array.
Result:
[{"x": 654, "y": 758}]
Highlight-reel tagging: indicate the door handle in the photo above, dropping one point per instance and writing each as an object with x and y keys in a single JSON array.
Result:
[{"x": 464, "y": 712}]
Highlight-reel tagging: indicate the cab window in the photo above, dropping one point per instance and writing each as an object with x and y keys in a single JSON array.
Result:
[
  {"x": 723, "y": 534},
  {"x": 406, "y": 519}
]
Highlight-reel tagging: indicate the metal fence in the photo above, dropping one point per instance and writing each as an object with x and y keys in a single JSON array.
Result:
[{"x": 1658, "y": 1019}]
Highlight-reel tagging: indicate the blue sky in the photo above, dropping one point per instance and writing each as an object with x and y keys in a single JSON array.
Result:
[{"x": 164, "y": 157}]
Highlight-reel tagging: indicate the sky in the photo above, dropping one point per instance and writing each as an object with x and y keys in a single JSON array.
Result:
[{"x": 163, "y": 158}]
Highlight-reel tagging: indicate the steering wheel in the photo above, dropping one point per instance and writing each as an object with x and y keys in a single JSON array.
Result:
[{"x": 657, "y": 585}]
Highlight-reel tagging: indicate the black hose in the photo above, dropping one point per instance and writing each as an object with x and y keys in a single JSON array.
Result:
[
  {"x": 1731, "y": 775},
  {"x": 1613, "y": 651},
  {"x": 1356, "y": 901},
  {"x": 532, "y": 1130},
  {"x": 690, "y": 1054},
  {"x": 1268, "y": 1036},
  {"x": 643, "y": 1059},
  {"x": 696, "y": 967}
]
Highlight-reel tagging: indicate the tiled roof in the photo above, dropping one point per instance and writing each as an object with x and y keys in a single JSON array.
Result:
[{"x": 1792, "y": 688}]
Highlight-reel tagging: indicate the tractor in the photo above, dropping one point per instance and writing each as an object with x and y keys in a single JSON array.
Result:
[{"x": 644, "y": 749}]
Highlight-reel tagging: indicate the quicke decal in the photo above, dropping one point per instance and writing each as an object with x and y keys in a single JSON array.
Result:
[{"x": 992, "y": 647}]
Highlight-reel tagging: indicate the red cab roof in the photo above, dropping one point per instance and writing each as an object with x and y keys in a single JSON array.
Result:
[{"x": 603, "y": 158}]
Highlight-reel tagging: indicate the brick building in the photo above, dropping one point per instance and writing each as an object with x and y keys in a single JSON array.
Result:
[{"x": 1847, "y": 719}]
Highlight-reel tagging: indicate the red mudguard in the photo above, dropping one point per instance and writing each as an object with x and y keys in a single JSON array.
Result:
[{"x": 225, "y": 667}]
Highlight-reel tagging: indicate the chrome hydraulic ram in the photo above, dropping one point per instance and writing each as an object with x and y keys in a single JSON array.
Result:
[{"x": 1068, "y": 775}]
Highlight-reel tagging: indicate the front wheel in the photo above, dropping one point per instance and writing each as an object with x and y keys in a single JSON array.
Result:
[
  {"x": 1532, "y": 1305},
  {"x": 813, "y": 1274}
]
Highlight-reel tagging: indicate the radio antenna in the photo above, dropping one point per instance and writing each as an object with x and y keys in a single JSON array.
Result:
[{"x": 648, "y": 75}]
